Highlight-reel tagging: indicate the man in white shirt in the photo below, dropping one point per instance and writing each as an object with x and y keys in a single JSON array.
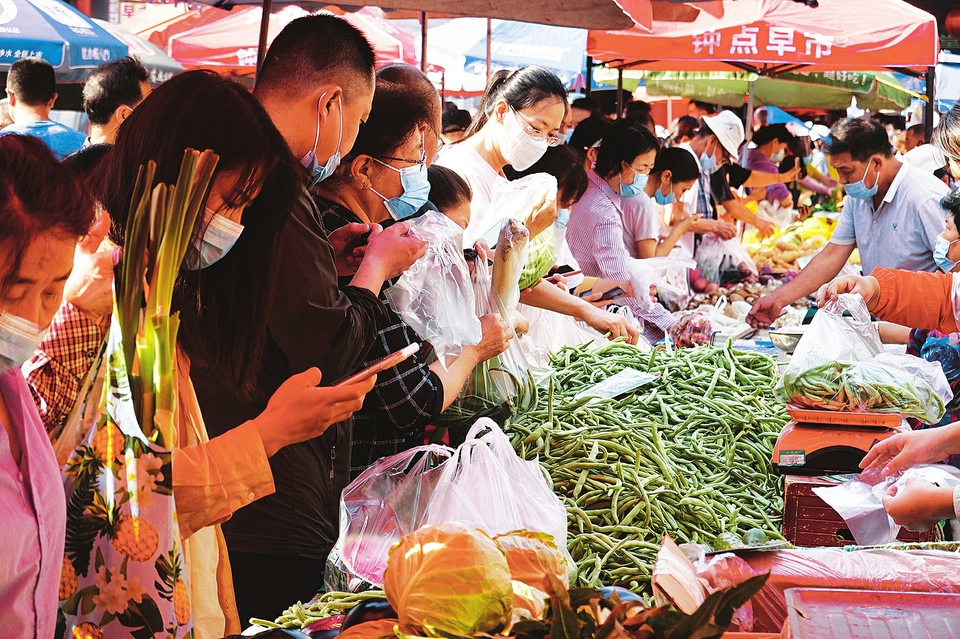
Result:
[{"x": 891, "y": 213}]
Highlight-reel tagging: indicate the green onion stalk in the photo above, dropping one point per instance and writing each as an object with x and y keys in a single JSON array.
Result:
[{"x": 159, "y": 227}]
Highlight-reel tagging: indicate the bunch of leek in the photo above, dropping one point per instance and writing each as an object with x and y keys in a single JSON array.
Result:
[{"x": 159, "y": 229}]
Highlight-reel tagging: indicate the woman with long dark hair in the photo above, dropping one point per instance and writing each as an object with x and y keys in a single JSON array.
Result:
[{"x": 222, "y": 293}]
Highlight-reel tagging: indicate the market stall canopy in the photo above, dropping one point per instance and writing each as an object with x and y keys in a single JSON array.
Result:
[
  {"x": 583, "y": 14},
  {"x": 159, "y": 22},
  {"x": 155, "y": 60},
  {"x": 815, "y": 90},
  {"x": 230, "y": 43},
  {"x": 773, "y": 36},
  {"x": 56, "y": 32}
]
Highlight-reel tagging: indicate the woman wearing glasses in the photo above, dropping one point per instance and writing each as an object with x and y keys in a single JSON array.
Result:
[
  {"x": 384, "y": 179},
  {"x": 520, "y": 116}
]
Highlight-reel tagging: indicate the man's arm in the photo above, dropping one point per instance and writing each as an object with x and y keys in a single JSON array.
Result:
[{"x": 823, "y": 268}]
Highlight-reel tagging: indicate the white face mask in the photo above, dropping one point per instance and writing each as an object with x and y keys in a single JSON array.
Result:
[
  {"x": 218, "y": 238},
  {"x": 518, "y": 149},
  {"x": 19, "y": 339}
]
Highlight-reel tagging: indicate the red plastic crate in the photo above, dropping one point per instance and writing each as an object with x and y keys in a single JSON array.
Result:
[{"x": 808, "y": 522}]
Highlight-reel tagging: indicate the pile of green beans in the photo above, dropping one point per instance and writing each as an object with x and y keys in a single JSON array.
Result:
[
  {"x": 687, "y": 455},
  {"x": 326, "y": 605}
]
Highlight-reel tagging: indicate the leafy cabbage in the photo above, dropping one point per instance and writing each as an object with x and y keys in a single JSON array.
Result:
[
  {"x": 452, "y": 578},
  {"x": 531, "y": 555}
]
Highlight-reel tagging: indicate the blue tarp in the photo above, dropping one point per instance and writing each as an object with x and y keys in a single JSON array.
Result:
[
  {"x": 519, "y": 44},
  {"x": 56, "y": 32}
]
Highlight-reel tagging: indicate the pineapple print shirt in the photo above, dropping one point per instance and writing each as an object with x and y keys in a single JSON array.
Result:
[{"x": 34, "y": 520}]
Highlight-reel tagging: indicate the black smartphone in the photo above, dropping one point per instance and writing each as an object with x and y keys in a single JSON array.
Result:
[{"x": 613, "y": 294}]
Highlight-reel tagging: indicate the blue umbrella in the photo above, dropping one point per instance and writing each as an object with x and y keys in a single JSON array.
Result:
[
  {"x": 519, "y": 44},
  {"x": 56, "y": 32}
]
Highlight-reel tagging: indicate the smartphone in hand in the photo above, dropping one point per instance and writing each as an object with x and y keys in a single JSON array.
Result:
[{"x": 389, "y": 361}]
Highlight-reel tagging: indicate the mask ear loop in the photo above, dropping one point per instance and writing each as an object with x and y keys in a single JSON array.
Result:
[
  {"x": 339, "y": 137},
  {"x": 316, "y": 138}
]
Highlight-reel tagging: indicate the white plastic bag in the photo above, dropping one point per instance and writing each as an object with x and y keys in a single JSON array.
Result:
[
  {"x": 542, "y": 254},
  {"x": 435, "y": 296},
  {"x": 387, "y": 501},
  {"x": 724, "y": 261},
  {"x": 552, "y": 331},
  {"x": 651, "y": 272},
  {"x": 516, "y": 199},
  {"x": 488, "y": 485}
]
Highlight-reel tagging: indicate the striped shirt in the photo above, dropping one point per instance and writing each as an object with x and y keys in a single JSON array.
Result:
[{"x": 595, "y": 236}]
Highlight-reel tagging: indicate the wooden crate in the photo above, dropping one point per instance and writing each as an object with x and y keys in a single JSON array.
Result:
[{"x": 809, "y": 522}]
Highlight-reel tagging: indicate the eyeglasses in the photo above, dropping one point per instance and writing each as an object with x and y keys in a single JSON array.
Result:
[
  {"x": 422, "y": 161},
  {"x": 535, "y": 133}
]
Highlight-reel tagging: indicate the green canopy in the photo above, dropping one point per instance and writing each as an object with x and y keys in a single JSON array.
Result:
[{"x": 827, "y": 90}]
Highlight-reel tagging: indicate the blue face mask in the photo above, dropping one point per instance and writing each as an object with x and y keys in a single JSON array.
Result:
[
  {"x": 662, "y": 199},
  {"x": 218, "y": 238},
  {"x": 940, "y": 254},
  {"x": 568, "y": 135},
  {"x": 320, "y": 173},
  {"x": 563, "y": 217},
  {"x": 807, "y": 159},
  {"x": 708, "y": 163},
  {"x": 639, "y": 183},
  {"x": 416, "y": 189},
  {"x": 859, "y": 191},
  {"x": 19, "y": 339}
]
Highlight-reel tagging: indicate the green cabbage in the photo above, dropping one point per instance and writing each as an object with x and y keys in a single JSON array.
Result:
[{"x": 451, "y": 578}]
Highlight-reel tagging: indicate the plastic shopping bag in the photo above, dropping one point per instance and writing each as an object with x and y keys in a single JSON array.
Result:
[
  {"x": 514, "y": 199},
  {"x": 839, "y": 365},
  {"x": 497, "y": 388},
  {"x": 387, "y": 501},
  {"x": 725, "y": 262},
  {"x": 652, "y": 272},
  {"x": 552, "y": 331},
  {"x": 488, "y": 485},
  {"x": 435, "y": 296},
  {"x": 508, "y": 263},
  {"x": 542, "y": 254}
]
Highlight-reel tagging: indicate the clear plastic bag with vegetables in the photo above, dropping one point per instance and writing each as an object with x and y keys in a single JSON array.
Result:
[
  {"x": 517, "y": 199},
  {"x": 839, "y": 365},
  {"x": 724, "y": 261},
  {"x": 497, "y": 388},
  {"x": 541, "y": 255},
  {"x": 508, "y": 263},
  {"x": 435, "y": 296}
]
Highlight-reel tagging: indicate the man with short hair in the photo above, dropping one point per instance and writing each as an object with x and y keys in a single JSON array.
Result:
[
  {"x": 32, "y": 92},
  {"x": 891, "y": 213},
  {"x": 110, "y": 94},
  {"x": 697, "y": 109},
  {"x": 316, "y": 84},
  {"x": 914, "y": 137}
]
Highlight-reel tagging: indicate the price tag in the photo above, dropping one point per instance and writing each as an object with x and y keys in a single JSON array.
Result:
[
  {"x": 624, "y": 381},
  {"x": 792, "y": 458}
]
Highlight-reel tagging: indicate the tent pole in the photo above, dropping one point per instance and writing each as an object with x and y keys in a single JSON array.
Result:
[
  {"x": 264, "y": 29},
  {"x": 928, "y": 108},
  {"x": 588, "y": 78},
  {"x": 748, "y": 128},
  {"x": 619, "y": 93},
  {"x": 489, "y": 38},
  {"x": 423, "y": 41}
]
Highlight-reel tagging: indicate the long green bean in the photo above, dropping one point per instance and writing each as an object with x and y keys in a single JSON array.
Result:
[{"x": 687, "y": 455}]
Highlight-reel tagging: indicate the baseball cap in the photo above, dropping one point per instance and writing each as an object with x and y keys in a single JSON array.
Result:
[{"x": 729, "y": 130}]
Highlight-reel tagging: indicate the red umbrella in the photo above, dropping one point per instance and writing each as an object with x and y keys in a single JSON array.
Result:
[
  {"x": 230, "y": 43},
  {"x": 770, "y": 36}
]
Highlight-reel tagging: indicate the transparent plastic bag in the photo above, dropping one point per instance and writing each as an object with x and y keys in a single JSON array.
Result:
[
  {"x": 508, "y": 262},
  {"x": 514, "y": 199},
  {"x": 551, "y": 331},
  {"x": 435, "y": 296},
  {"x": 488, "y": 485},
  {"x": 839, "y": 365},
  {"x": 541, "y": 255},
  {"x": 387, "y": 501},
  {"x": 724, "y": 261},
  {"x": 497, "y": 388},
  {"x": 651, "y": 272}
]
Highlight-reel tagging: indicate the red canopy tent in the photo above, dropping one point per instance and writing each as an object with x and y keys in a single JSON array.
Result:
[
  {"x": 230, "y": 43},
  {"x": 771, "y": 36}
]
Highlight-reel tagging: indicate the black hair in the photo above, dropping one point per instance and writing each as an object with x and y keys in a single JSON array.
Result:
[
  {"x": 37, "y": 195},
  {"x": 396, "y": 115},
  {"x": 86, "y": 160},
  {"x": 112, "y": 85},
  {"x": 766, "y": 134},
  {"x": 564, "y": 163},
  {"x": 418, "y": 85},
  {"x": 458, "y": 120},
  {"x": 686, "y": 127},
  {"x": 637, "y": 106},
  {"x": 860, "y": 137},
  {"x": 312, "y": 51},
  {"x": 589, "y": 132},
  {"x": 32, "y": 81},
  {"x": 588, "y": 104},
  {"x": 521, "y": 89},
  {"x": 224, "y": 307},
  {"x": 919, "y": 130},
  {"x": 447, "y": 189},
  {"x": 951, "y": 202},
  {"x": 623, "y": 142},
  {"x": 681, "y": 164},
  {"x": 705, "y": 106},
  {"x": 946, "y": 135}
]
